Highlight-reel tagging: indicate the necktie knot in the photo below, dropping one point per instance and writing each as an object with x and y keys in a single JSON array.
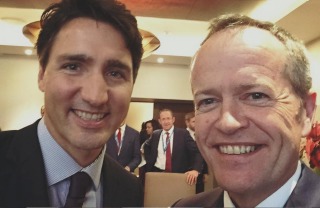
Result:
[{"x": 79, "y": 185}]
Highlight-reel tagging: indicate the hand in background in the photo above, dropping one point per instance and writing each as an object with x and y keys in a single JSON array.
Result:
[{"x": 192, "y": 177}]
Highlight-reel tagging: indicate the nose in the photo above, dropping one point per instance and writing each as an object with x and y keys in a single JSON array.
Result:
[
  {"x": 94, "y": 89},
  {"x": 231, "y": 118}
]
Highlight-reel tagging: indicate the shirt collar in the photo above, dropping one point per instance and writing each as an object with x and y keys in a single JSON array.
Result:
[
  {"x": 170, "y": 130},
  {"x": 53, "y": 153},
  {"x": 192, "y": 133},
  {"x": 123, "y": 127},
  {"x": 278, "y": 198}
]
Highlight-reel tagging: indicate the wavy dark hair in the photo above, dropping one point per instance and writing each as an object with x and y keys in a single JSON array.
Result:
[
  {"x": 143, "y": 132},
  {"x": 108, "y": 11},
  {"x": 155, "y": 124}
]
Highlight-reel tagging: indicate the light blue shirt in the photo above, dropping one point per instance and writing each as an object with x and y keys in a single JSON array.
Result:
[
  {"x": 278, "y": 198},
  {"x": 59, "y": 166}
]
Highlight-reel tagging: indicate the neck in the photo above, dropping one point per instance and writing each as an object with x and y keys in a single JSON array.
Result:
[{"x": 85, "y": 157}]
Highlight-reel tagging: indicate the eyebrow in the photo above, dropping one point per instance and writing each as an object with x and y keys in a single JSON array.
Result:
[
  {"x": 75, "y": 57},
  {"x": 114, "y": 63},
  {"x": 245, "y": 87},
  {"x": 240, "y": 88},
  {"x": 84, "y": 58}
]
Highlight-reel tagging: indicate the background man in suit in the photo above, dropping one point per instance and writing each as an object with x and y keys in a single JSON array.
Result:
[
  {"x": 183, "y": 151},
  {"x": 190, "y": 120},
  {"x": 251, "y": 86},
  {"x": 124, "y": 147},
  {"x": 89, "y": 53}
]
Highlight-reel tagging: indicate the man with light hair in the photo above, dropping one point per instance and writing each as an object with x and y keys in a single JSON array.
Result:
[{"x": 251, "y": 86}]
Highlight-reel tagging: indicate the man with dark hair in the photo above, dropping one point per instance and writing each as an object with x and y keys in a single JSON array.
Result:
[
  {"x": 124, "y": 147},
  {"x": 190, "y": 121},
  {"x": 251, "y": 86},
  {"x": 89, "y": 53}
]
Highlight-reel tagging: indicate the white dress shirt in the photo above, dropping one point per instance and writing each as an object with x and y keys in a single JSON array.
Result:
[
  {"x": 161, "y": 159},
  {"x": 278, "y": 198}
]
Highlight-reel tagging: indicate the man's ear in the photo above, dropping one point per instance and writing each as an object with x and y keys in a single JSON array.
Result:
[
  {"x": 310, "y": 107},
  {"x": 41, "y": 82}
]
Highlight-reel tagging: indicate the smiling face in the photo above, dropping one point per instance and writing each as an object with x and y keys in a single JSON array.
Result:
[
  {"x": 249, "y": 121},
  {"x": 166, "y": 120},
  {"x": 87, "y": 86}
]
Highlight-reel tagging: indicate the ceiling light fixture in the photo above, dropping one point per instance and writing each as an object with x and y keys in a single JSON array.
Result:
[
  {"x": 150, "y": 42},
  {"x": 28, "y": 52},
  {"x": 160, "y": 60}
]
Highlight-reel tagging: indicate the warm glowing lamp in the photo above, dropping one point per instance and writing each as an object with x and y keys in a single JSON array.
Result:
[{"x": 149, "y": 41}]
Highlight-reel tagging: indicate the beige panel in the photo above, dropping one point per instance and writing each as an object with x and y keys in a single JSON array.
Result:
[{"x": 163, "y": 189}]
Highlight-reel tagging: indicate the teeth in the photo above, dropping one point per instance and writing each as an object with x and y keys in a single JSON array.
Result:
[
  {"x": 89, "y": 116},
  {"x": 236, "y": 149}
]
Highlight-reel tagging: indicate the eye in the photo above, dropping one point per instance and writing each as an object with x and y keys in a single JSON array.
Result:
[
  {"x": 115, "y": 74},
  {"x": 71, "y": 67},
  {"x": 256, "y": 98},
  {"x": 206, "y": 105}
]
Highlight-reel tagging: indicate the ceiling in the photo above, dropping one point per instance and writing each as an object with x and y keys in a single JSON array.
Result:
[{"x": 181, "y": 25}]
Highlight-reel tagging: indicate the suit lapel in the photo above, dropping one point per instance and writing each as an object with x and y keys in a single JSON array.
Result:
[
  {"x": 119, "y": 187},
  {"x": 110, "y": 183},
  {"x": 156, "y": 138},
  {"x": 124, "y": 142},
  {"x": 307, "y": 191},
  {"x": 29, "y": 174},
  {"x": 112, "y": 147},
  {"x": 175, "y": 142}
]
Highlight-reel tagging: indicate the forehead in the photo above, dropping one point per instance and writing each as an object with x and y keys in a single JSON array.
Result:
[
  {"x": 83, "y": 30},
  {"x": 247, "y": 50},
  {"x": 233, "y": 42},
  {"x": 165, "y": 114},
  {"x": 97, "y": 42}
]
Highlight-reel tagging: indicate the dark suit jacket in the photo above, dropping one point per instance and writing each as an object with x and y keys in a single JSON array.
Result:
[
  {"x": 185, "y": 155},
  {"x": 130, "y": 154},
  {"x": 23, "y": 180},
  {"x": 305, "y": 194}
]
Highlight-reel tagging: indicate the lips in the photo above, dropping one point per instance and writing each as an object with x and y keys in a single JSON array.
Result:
[
  {"x": 236, "y": 149},
  {"x": 89, "y": 116}
]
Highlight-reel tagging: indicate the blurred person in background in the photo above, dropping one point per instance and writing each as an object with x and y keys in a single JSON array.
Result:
[
  {"x": 147, "y": 129},
  {"x": 124, "y": 147}
]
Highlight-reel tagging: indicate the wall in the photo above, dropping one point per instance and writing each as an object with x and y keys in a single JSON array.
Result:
[
  {"x": 138, "y": 113},
  {"x": 21, "y": 100},
  {"x": 163, "y": 81}
]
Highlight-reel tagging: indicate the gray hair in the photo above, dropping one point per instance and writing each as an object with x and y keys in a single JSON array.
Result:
[{"x": 297, "y": 69}]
